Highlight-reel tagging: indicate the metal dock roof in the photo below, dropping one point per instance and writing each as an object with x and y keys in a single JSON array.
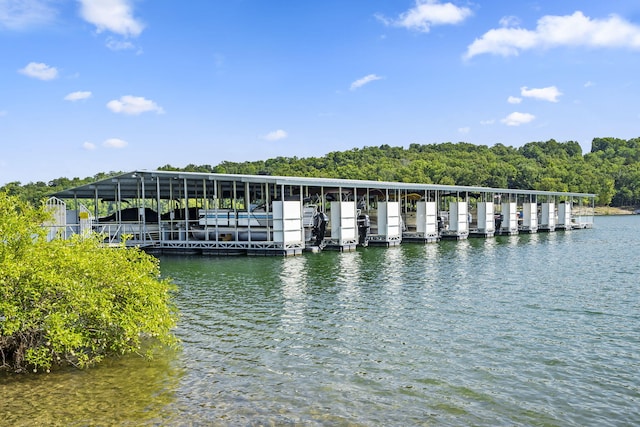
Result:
[{"x": 128, "y": 185}]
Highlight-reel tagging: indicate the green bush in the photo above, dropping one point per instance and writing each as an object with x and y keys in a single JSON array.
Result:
[{"x": 74, "y": 301}]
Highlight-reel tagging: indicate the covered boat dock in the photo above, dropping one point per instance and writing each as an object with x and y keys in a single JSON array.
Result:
[{"x": 226, "y": 214}]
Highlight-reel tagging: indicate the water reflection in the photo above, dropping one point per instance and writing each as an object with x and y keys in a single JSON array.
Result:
[
  {"x": 463, "y": 252},
  {"x": 431, "y": 259},
  {"x": 348, "y": 278},
  {"x": 293, "y": 278},
  {"x": 432, "y": 251},
  {"x": 488, "y": 246},
  {"x": 394, "y": 280},
  {"x": 534, "y": 238},
  {"x": 393, "y": 268}
]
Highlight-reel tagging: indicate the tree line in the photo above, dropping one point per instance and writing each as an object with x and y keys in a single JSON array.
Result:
[{"x": 611, "y": 169}]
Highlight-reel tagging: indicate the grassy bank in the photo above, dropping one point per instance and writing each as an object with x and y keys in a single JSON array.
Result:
[{"x": 609, "y": 210}]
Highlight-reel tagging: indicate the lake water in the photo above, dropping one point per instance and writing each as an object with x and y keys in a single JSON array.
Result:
[{"x": 523, "y": 330}]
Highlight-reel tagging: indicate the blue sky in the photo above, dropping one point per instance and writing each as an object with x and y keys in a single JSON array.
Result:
[{"x": 93, "y": 86}]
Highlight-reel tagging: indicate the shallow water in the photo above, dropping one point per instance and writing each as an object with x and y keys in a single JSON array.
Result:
[{"x": 523, "y": 330}]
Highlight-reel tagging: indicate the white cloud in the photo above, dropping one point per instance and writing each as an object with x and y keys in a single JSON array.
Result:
[
  {"x": 275, "y": 135},
  {"x": 115, "y": 143},
  {"x": 38, "y": 70},
  {"x": 509, "y": 21},
  {"x": 89, "y": 146},
  {"x": 23, "y": 14},
  {"x": 589, "y": 84},
  {"x": 487, "y": 122},
  {"x": 115, "y": 44},
  {"x": 550, "y": 93},
  {"x": 111, "y": 15},
  {"x": 464, "y": 130},
  {"x": 428, "y": 13},
  {"x": 363, "y": 81},
  {"x": 554, "y": 31},
  {"x": 77, "y": 96},
  {"x": 514, "y": 100},
  {"x": 517, "y": 119},
  {"x": 133, "y": 105}
]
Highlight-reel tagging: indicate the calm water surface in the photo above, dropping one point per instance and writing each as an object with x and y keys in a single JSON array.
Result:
[{"x": 524, "y": 330}]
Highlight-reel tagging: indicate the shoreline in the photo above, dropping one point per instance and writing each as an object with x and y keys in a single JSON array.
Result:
[{"x": 609, "y": 210}]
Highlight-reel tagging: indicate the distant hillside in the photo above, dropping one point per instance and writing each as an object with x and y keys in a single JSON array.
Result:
[{"x": 611, "y": 169}]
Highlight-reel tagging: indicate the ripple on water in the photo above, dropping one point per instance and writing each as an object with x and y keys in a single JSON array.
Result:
[{"x": 520, "y": 330}]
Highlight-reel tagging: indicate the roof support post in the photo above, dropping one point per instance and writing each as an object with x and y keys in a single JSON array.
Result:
[
  {"x": 144, "y": 210},
  {"x": 247, "y": 196},
  {"x": 186, "y": 209},
  {"x": 247, "y": 207},
  {"x": 158, "y": 205},
  {"x": 95, "y": 203},
  {"x": 118, "y": 203}
]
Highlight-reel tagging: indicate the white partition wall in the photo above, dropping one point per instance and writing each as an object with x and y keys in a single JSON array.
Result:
[
  {"x": 427, "y": 218},
  {"x": 343, "y": 223},
  {"x": 486, "y": 222},
  {"x": 530, "y": 217},
  {"x": 389, "y": 224},
  {"x": 548, "y": 216},
  {"x": 458, "y": 218},
  {"x": 564, "y": 215},
  {"x": 287, "y": 222},
  {"x": 85, "y": 218},
  {"x": 509, "y": 218}
]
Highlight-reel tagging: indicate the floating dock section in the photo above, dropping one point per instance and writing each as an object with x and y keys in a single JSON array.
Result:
[
  {"x": 547, "y": 217},
  {"x": 426, "y": 228},
  {"x": 486, "y": 220},
  {"x": 226, "y": 214}
]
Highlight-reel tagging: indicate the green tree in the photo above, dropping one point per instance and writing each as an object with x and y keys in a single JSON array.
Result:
[
  {"x": 74, "y": 301},
  {"x": 609, "y": 170}
]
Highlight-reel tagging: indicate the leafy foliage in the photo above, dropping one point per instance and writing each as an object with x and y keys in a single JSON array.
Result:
[
  {"x": 73, "y": 301},
  {"x": 611, "y": 170},
  {"x": 35, "y": 192}
]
